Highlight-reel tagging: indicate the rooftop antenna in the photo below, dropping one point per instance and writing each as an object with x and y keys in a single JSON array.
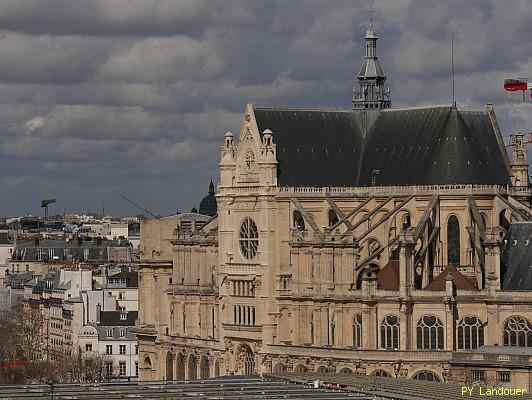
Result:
[{"x": 452, "y": 64}]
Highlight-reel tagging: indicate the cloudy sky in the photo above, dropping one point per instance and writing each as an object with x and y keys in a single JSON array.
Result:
[{"x": 134, "y": 96}]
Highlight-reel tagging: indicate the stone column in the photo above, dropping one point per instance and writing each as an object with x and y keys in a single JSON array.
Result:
[
  {"x": 407, "y": 245},
  {"x": 450, "y": 313},
  {"x": 492, "y": 259}
]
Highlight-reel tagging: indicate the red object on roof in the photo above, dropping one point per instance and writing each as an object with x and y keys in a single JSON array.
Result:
[
  {"x": 388, "y": 276},
  {"x": 517, "y": 84},
  {"x": 459, "y": 279}
]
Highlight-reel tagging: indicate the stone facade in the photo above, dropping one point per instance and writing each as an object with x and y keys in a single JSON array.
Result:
[{"x": 385, "y": 280}]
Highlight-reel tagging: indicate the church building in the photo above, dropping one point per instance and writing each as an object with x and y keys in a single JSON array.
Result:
[{"x": 373, "y": 240}]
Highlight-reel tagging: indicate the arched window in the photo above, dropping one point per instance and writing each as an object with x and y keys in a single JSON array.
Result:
[
  {"x": 470, "y": 333},
  {"x": 299, "y": 222},
  {"x": 426, "y": 376},
  {"x": 333, "y": 218},
  {"x": 217, "y": 368},
  {"x": 146, "y": 366},
  {"x": 249, "y": 360},
  {"x": 249, "y": 238},
  {"x": 192, "y": 368},
  {"x": 169, "y": 367},
  {"x": 346, "y": 371},
  {"x": 382, "y": 373},
  {"x": 279, "y": 368},
  {"x": 300, "y": 369},
  {"x": 390, "y": 333},
  {"x": 180, "y": 367},
  {"x": 204, "y": 368},
  {"x": 357, "y": 331},
  {"x": 517, "y": 332},
  {"x": 321, "y": 370},
  {"x": 453, "y": 241},
  {"x": 429, "y": 333}
]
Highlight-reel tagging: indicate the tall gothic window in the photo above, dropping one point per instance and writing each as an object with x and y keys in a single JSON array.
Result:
[
  {"x": 312, "y": 327},
  {"x": 192, "y": 367},
  {"x": 470, "y": 333},
  {"x": 357, "y": 331},
  {"x": 453, "y": 241},
  {"x": 390, "y": 333},
  {"x": 299, "y": 222},
  {"x": 249, "y": 238},
  {"x": 517, "y": 332},
  {"x": 429, "y": 333},
  {"x": 204, "y": 368}
]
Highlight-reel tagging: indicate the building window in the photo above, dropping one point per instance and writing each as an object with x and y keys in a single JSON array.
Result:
[
  {"x": 504, "y": 376},
  {"x": 243, "y": 288},
  {"x": 470, "y": 333},
  {"x": 357, "y": 331},
  {"x": 122, "y": 368},
  {"x": 382, "y": 373},
  {"x": 312, "y": 328},
  {"x": 333, "y": 218},
  {"x": 426, "y": 376},
  {"x": 249, "y": 239},
  {"x": 122, "y": 332},
  {"x": 390, "y": 333},
  {"x": 477, "y": 376},
  {"x": 429, "y": 333},
  {"x": 108, "y": 369},
  {"x": 88, "y": 347},
  {"x": 517, "y": 332},
  {"x": 109, "y": 349},
  {"x": 299, "y": 222},
  {"x": 123, "y": 316},
  {"x": 453, "y": 241},
  {"x": 109, "y": 333},
  {"x": 122, "y": 349},
  {"x": 136, "y": 368}
]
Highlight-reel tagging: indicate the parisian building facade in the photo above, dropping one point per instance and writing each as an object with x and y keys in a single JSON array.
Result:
[{"x": 374, "y": 240}]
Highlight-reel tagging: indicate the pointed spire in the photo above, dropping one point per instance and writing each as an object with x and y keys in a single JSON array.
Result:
[
  {"x": 211, "y": 187},
  {"x": 370, "y": 92}
]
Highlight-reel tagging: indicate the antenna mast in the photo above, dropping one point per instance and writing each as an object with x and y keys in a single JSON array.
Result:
[{"x": 452, "y": 64}]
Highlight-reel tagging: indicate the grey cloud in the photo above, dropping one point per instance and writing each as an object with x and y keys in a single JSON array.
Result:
[{"x": 124, "y": 94}]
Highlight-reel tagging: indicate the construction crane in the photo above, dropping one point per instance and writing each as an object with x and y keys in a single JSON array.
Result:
[
  {"x": 135, "y": 204},
  {"x": 515, "y": 85},
  {"x": 44, "y": 204},
  {"x": 526, "y": 139}
]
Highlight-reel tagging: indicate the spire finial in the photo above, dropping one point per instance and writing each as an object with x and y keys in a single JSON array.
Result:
[{"x": 211, "y": 187}]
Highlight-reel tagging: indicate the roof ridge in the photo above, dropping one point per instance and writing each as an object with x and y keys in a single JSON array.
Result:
[
  {"x": 418, "y": 107},
  {"x": 302, "y": 109}
]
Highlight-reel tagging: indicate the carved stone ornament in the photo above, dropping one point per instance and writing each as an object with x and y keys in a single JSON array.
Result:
[{"x": 249, "y": 160}]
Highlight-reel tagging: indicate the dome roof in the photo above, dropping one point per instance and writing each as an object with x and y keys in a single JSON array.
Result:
[{"x": 208, "y": 205}]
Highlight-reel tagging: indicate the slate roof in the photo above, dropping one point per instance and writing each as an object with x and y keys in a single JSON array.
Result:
[
  {"x": 417, "y": 146},
  {"x": 388, "y": 276},
  {"x": 516, "y": 257},
  {"x": 112, "y": 318},
  {"x": 459, "y": 279}
]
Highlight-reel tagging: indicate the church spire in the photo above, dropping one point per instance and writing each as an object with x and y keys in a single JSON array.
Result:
[{"x": 369, "y": 92}]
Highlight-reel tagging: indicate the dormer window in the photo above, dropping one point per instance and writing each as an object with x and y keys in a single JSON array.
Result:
[
  {"x": 123, "y": 316},
  {"x": 109, "y": 333}
]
